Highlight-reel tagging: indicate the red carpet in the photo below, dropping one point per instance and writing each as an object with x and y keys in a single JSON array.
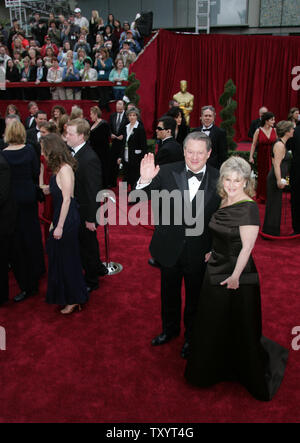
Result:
[{"x": 98, "y": 365}]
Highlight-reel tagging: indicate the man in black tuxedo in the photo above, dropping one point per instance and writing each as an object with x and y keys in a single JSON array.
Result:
[
  {"x": 88, "y": 182},
  {"x": 180, "y": 249},
  {"x": 293, "y": 144},
  {"x": 7, "y": 224},
  {"x": 169, "y": 150},
  {"x": 117, "y": 123},
  {"x": 255, "y": 124},
  {"x": 34, "y": 134},
  {"x": 219, "y": 150},
  {"x": 30, "y": 120}
]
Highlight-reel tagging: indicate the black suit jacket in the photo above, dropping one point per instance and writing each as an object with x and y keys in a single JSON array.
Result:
[
  {"x": 33, "y": 140},
  {"x": 168, "y": 241},
  {"x": 117, "y": 145},
  {"x": 136, "y": 142},
  {"x": 27, "y": 121},
  {"x": 88, "y": 182},
  {"x": 255, "y": 124},
  {"x": 170, "y": 151},
  {"x": 7, "y": 203},
  {"x": 219, "y": 149}
]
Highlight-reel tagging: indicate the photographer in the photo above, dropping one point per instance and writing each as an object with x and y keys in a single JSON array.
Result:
[
  {"x": 70, "y": 31},
  {"x": 71, "y": 74},
  {"x": 126, "y": 55}
]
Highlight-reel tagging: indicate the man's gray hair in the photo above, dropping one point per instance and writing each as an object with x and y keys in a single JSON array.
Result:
[
  {"x": 198, "y": 136},
  {"x": 208, "y": 107}
]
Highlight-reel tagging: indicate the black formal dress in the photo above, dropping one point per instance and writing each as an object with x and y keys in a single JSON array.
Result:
[
  {"x": 27, "y": 252},
  {"x": 88, "y": 182},
  {"x": 183, "y": 131},
  {"x": 227, "y": 342},
  {"x": 117, "y": 125},
  {"x": 66, "y": 285},
  {"x": 219, "y": 148},
  {"x": 272, "y": 220},
  {"x": 181, "y": 256},
  {"x": 7, "y": 225},
  {"x": 99, "y": 141}
]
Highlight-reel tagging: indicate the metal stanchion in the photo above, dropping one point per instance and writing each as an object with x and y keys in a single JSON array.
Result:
[{"x": 112, "y": 267}]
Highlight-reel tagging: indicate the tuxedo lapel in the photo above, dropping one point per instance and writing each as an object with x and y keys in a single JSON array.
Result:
[{"x": 182, "y": 183}]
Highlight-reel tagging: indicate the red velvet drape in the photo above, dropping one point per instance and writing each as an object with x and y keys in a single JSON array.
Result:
[{"x": 260, "y": 66}]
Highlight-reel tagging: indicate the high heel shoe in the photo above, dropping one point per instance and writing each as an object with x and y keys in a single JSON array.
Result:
[{"x": 69, "y": 309}]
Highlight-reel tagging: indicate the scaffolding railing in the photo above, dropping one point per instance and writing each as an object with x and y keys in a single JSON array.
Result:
[{"x": 203, "y": 15}]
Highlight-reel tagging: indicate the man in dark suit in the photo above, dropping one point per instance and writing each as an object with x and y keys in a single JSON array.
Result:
[
  {"x": 88, "y": 182},
  {"x": 219, "y": 150},
  {"x": 34, "y": 135},
  {"x": 30, "y": 120},
  {"x": 179, "y": 249},
  {"x": 7, "y": 223},
  {"x": 255, "y": 124},
  {"x": 169, "y": 150},
  {"x": 117, "y": 123},
  {"x": 293, "y": 144}
]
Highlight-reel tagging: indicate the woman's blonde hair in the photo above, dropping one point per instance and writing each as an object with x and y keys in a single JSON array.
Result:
[
  {"x": 283, "y": 127},
  {"x": 242, "y": 168},
  {"x": 15, "y": 133}
]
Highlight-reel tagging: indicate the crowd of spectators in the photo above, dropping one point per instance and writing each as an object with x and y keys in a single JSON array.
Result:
[{"x": 65, "y": 49}]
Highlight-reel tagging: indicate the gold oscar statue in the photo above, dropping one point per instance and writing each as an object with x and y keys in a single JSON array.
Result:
[{"x": 185, "y": 100}]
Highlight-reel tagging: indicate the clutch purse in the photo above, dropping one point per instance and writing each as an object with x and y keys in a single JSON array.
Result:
[{"x": 250, "y": 278}]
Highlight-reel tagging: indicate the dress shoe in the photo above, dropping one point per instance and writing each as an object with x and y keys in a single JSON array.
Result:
[
  {"x": 153, "y": 262},
  {"x": 185, "y": 350},
  {"x": 163, "y": 338},
  {"x": 102, "y": 270},
  {"x": 92, "y": 288},
  {"x": 23, "y": 295}
]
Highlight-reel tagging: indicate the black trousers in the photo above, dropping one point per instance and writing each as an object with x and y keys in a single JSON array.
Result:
[
  {"x": 4, "y": 260},
  {"x": 171, "y": 300},
  {"x": 90, "y": 255},
  {"x": 295, "y": 197}
]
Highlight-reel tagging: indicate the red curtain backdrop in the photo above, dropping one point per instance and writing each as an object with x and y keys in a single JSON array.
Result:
[{"x": 260, "y": 66}]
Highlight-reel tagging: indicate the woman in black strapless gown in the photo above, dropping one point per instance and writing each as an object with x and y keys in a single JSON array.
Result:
[
  {"x": 227, "y": 343},
  {"x": 66, "y": 285}
]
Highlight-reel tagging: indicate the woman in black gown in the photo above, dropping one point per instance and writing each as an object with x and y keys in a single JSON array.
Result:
[
  {"x": 276, "y": 180},
  {"x": 182, "y": 129},
  {"x": 227, "y": 343},
  {"x": 66, "y": 284},
  {"x": 27, "y": 252},
  {"x": 99, "y": 140}
]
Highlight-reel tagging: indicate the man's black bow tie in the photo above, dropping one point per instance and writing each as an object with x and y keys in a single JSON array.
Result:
[
  {"x": 71, "y": 150},
  {"x": 191, "y": 174}
]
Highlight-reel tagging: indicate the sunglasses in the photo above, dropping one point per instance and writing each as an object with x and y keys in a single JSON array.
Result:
[{"x": 159, "y": 128}]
